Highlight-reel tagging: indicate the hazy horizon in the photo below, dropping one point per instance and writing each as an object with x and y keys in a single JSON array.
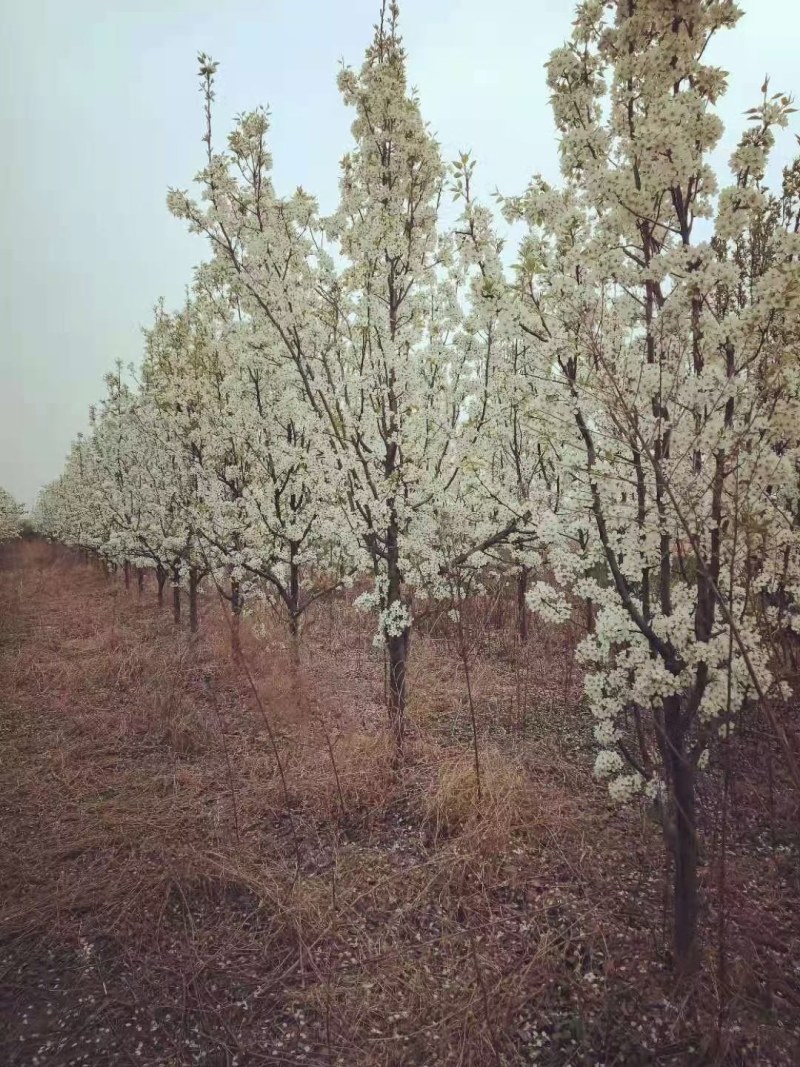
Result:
[{"x": 101, "y": 115}]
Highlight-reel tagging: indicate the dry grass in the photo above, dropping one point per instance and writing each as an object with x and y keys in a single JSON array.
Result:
[
  {"x": 196, "y": 873},
  {"x": 489, "y": 805}
]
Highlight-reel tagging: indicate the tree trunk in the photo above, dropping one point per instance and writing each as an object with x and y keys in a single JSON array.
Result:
[
  {"x": 522, "y": 606},
  {"x": 396, "y": 645},
  {"x": 176, "y": 597},
  {"x": 294, "y": 609},
  {"x": 126, "y": 569},
  {"x": 161, "y": 578},
  {"x": 236, "y": 619},
  {"x": 682, "y": 840},
  {"x": 194, "y": 582},
  {"x": 685, "y": 881},
  {"x": 140, "y": 579},
  {"x": 294, "y": 640},
  {"x": 398, "y": 659}
]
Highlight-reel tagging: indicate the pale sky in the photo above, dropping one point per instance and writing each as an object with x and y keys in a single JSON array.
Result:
[{"x": 100, "y": 113}]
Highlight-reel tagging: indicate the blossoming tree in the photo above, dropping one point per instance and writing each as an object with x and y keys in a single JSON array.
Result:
[
  {"x": 11, "y": 514},
  {"x": 676, "y": 393},
  {"x": 377, "y": 342}
]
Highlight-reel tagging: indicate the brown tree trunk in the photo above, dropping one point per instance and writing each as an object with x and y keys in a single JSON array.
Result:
[
  {"x": 294, "y": 641},
  {"x": 140, "y": 579},
  {"x": 176, "y": 597},
  {"x": 161, "y": 578},
  {"x": 194, "y": 582},
  {"x": 236, "y": 620},
  {"x": 396, "y": 646},
  {"x": 126, "y": 570},
  {"x": 294, "y": 608},
  {"x": 522, "y": 606},
  {"x": 398, "y": 660},
  {"x": 682, "y": 840}
]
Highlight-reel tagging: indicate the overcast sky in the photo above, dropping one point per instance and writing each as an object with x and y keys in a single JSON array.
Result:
[{"x": 100, "y": 114}]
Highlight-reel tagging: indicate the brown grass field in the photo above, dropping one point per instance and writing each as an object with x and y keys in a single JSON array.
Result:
[{"x": 197, "y": 870}]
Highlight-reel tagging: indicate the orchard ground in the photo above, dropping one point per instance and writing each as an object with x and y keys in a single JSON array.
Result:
[{"x": 206, "y": 862}]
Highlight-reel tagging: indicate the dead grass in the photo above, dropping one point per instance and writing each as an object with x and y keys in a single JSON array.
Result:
[
  {"x": 490, "y": 816},
  {"x": 194, "y": 873}
]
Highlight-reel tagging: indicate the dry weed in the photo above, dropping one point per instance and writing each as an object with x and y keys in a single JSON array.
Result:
[
  {"x": 170, "y": 894},
  {"x": 487, "y": 802}
]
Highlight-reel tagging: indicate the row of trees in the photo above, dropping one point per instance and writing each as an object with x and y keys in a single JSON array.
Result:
[
  {"x": 12, "y": 516},
  {"x": 370, "y": 393}
]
